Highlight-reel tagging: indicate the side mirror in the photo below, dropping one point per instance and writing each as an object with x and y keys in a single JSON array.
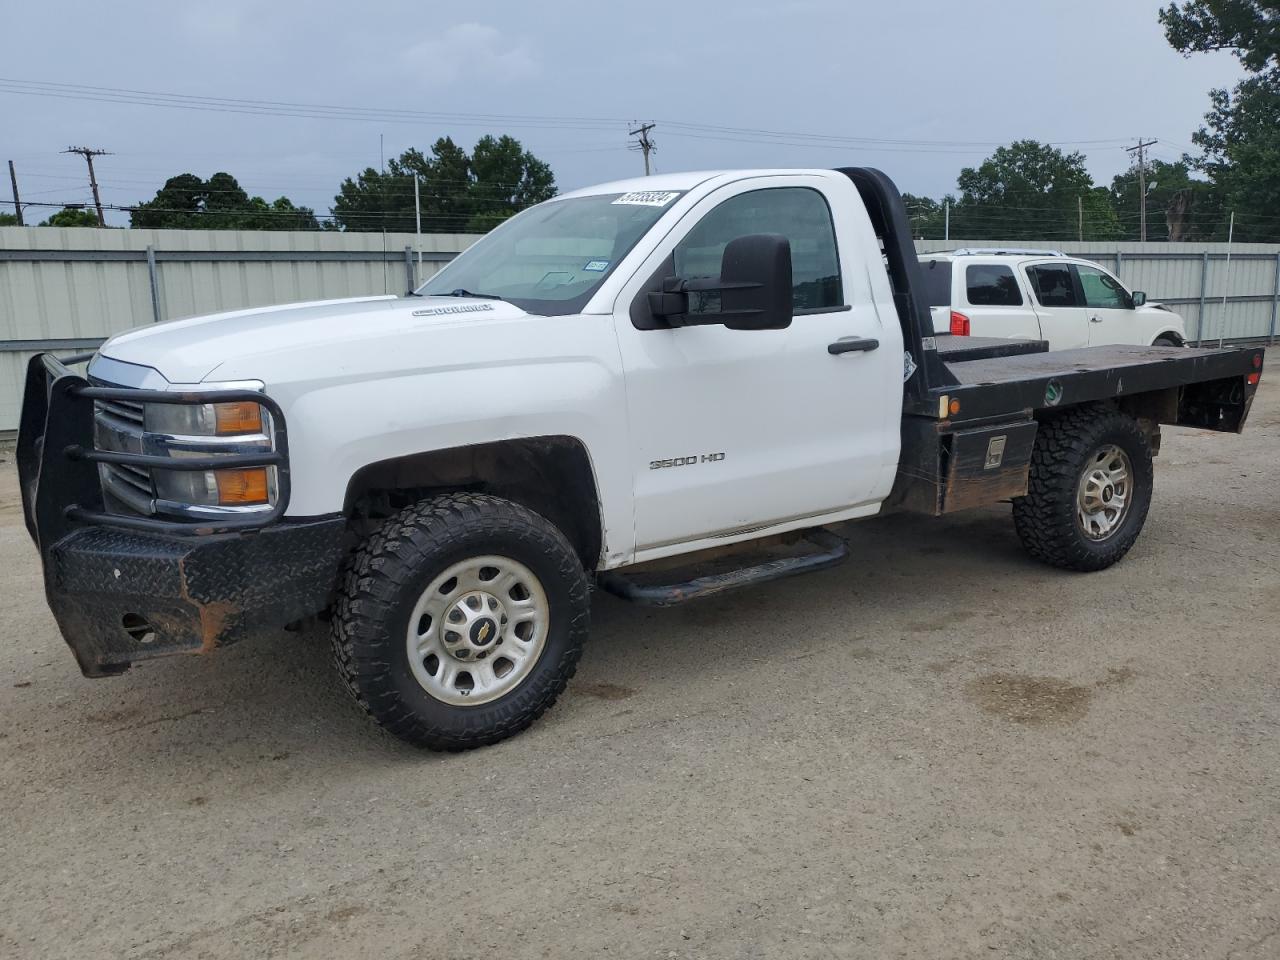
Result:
[
  {"x": 753, "y": 289},
  {"x": 1138, "y": 298}
]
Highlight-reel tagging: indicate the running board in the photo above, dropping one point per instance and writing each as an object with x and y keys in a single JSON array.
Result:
[{"x": 831, "y": 550}]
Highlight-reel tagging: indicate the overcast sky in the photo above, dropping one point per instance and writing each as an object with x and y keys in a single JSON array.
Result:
[{"x": 942, "y": 82}]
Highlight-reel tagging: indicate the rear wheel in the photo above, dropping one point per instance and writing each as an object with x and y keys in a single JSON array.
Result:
[
  {"x": 1089, "y": 489},
  {"x": 461, "y": 621},
  {"x": 1167, "y": 341}
]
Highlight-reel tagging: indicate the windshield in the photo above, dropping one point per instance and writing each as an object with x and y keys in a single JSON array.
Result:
[{"x": 551, "y": 258}]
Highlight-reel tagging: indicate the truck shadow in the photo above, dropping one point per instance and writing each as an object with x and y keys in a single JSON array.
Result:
[{"x": 277, "y": 700}]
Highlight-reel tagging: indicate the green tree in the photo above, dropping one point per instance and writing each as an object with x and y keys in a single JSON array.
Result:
[
  {"x": 71, "y": 217},
  {"x": 506, "y": 178},
  {"x": 1250, "y": 29},
  {"x": 1031, "y": 191},
  {"x": 459, "y": 192},
  {"x": 1240, "y": 141},
  {"x": 8, "y": 220},
  {"x": 186, "y": 202}
]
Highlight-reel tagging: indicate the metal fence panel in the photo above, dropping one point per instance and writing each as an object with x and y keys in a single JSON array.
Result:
[{"x": 68, "y": 288}]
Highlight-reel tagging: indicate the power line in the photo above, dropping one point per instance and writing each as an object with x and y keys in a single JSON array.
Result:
[{"x": 417, "y": 117}]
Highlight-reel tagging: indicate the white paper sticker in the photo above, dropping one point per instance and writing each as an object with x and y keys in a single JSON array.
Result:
[
  {"x": 597, "y": 266},
  {"x": 648, "y": 198}
]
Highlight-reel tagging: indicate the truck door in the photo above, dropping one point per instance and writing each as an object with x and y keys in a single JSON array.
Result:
[
  {"x": 1110, "y": 309},
  {"x": 734, "y": 431},
  {"x": 1063, "y": 319}
]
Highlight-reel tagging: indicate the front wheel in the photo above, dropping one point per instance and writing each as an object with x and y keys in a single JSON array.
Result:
[
  {"x": 1089, "y": 489},
  {"x": 461, "y": 621}
]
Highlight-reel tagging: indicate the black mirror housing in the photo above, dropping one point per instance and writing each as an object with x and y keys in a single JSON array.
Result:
[
  {"x": 754, "y": 288},
  {"x": 755, "y": 283}
]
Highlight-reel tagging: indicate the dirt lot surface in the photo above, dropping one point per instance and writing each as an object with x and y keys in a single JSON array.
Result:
[{"x": 939, "y": 749}]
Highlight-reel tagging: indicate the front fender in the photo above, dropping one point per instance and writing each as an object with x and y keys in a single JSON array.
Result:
[{"x": 338, "y": 427}]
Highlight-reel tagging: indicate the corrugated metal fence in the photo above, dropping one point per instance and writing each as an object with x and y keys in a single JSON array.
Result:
[{"x": 68, "y": 289}]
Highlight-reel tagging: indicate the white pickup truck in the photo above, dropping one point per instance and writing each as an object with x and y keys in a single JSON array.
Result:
[
  {"x": 1041, "y": 295},
  {"x": 704, "y": 369}
]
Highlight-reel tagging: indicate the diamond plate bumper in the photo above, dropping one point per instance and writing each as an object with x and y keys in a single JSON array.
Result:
[
  {"x": 128, "y": 588},
  {"x": 120, "y": 597}
]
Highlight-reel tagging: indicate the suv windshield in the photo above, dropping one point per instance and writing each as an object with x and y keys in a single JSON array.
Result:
[{"x": 551, "y": 258}]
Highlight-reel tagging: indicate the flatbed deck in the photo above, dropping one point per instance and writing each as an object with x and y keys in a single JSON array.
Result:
[{"x": 1003, "y": 386}]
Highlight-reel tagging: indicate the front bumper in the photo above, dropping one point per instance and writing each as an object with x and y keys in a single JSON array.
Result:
[
  {"x": 121, "y": 596},
  {"x": 126, "y": 588}
]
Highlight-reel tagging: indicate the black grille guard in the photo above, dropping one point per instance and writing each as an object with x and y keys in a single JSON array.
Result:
[{"x": 57, "y": 461}]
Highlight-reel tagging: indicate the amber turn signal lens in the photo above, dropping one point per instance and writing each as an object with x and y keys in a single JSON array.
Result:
[
  {"x": 955, "y": 407},
  {"x": 241, "y": 487},
  {"x": 240, "y": 417}
]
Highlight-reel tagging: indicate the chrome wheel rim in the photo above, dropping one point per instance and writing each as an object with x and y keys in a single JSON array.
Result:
[
  {"x": 1103, "y": 495},
  {"x": 477, "y": 630}
]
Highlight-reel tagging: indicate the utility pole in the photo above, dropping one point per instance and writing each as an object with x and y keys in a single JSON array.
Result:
[
  {"x": 17, "y": 203},
  {"x": 643, "y": 143},
  {"x": 417, "y": 225},
  {"x": 89, "y": 153},
  {"x": 1141, "y": 148},
  {"x": 1080, "y": 218}
]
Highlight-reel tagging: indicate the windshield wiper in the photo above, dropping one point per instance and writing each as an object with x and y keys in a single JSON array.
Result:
[{"x": 467, "y": 293}]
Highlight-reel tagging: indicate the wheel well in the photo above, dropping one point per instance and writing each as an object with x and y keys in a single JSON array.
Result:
[
  {"x": 550, "y": 475},
  {"x": 1173, "y": 335}
]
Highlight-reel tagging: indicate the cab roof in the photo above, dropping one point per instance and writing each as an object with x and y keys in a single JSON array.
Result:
[{"x": 683, "y": 181}]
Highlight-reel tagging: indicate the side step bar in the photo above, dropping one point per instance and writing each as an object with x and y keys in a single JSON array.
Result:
[{"x": 831, "y": 550}]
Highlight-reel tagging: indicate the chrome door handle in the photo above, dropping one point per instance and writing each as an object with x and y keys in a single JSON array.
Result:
[
  {"x": 852, "y": 345},
  {"x": 1095, "y": 319}
]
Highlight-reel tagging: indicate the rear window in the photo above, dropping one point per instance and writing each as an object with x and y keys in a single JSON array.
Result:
[
  {"x": 937, "y": 282},
  {"x": 992, "y": 285}
]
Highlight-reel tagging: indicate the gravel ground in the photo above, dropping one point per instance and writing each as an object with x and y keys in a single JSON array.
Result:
[{"x": 939, "y": 749}]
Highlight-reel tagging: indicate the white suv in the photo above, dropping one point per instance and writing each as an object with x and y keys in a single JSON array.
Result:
[{"x": 1041, "y": 295}]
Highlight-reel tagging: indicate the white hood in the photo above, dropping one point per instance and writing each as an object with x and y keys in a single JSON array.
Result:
[{"x": 193, "y": 350}]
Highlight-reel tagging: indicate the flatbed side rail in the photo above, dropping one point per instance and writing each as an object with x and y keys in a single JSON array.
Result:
[{"x": 57, "y": 459}]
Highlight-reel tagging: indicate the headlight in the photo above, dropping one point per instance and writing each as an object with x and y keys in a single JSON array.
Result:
[
  {"x": 207, "y": 419},
  {"x": 239, "y": 487},
  {"x": 182, "y": 430}
]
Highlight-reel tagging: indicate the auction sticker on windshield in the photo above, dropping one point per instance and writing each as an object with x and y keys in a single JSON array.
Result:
[{"x": 648, "y": 198}]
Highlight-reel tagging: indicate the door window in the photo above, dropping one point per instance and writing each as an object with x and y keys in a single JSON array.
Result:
[
  {"x": 937, "y": 282},
  {"x": 1052, "y": 285},
  {"x": 799, "y": 214},
  {"x": 992, "y": 285},
  {"x": 1101, "y": 289}
]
